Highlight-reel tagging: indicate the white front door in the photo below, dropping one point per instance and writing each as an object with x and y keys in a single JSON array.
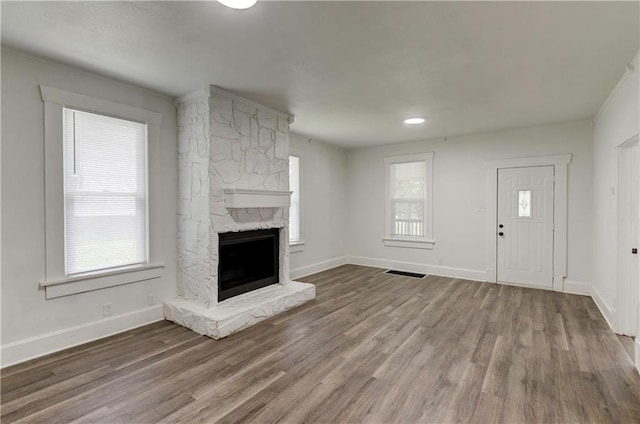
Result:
[{"x": 525, "y": 226}]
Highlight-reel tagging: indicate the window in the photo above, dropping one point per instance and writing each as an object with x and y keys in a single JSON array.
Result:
[
  {"x": 524, "y": 203},
  {"x": 409, "y": 189},
  {"x": 105, "y": 192},
  {"x": 97, "y": 197},
  {"x": 295, "y": 240},
  {"x": 294, "y": 211}
]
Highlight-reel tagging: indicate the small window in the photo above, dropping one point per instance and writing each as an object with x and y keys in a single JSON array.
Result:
[
  {"x": 409, "y": 183},
  {"x": 105, "y": 192},
  {"x": 524, "y": 203},
  {"x": 294, "y": 211}
]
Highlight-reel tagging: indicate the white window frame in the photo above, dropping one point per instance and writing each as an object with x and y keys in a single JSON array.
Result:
[
  {"x": 56, "y": 283},
  {"x": 298, "y": 245},
  {"x": 427, "y": 241}
]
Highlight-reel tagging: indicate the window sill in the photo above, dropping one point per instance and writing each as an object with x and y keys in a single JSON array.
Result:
[
  {"x": 296, "y": 246},
  {"x": 100, "y": 280},
  {"x": 411, "y": 243}
]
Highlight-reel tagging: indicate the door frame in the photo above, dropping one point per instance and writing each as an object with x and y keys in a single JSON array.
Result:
[
  {"x": 628, "y": 312},
  {"x": 560, "y": 200}
]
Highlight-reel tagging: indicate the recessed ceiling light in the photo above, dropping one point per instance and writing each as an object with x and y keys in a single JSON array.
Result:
[
  {"x": 414, "y": 121},
  {"x": 238, "y": 4}
]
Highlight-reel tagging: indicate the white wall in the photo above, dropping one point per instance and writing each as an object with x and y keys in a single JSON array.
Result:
[
  {"x": 460, "y": 193},
  {"x": 342, "y": 204},
  {"x": 31, "y": 325},
  {"x": 324, "y": 206},
  {"x": 617, "y": 121}
]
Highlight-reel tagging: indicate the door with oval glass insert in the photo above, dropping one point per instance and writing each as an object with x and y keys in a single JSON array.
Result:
[{"x": 525, "y": 226}]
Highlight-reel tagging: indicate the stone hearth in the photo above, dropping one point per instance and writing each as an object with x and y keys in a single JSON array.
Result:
[{"x": 229, "y": 147}]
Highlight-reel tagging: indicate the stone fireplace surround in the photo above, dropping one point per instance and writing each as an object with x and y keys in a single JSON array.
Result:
[{"x": 233, "y": 176}]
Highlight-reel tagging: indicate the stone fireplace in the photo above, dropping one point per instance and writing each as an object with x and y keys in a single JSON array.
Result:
[{"x": 233, "y": 184}]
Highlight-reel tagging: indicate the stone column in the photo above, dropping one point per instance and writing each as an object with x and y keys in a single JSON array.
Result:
[{"x": 225, "y": 142}]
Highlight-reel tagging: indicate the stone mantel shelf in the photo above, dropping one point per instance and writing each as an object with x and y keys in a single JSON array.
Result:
[{"x": 246, "y": 198}]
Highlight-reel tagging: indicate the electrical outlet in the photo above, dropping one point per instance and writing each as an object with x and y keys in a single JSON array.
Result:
[
  {"x": 106, "y": 309},
  {"x": 152, "y": 299}
]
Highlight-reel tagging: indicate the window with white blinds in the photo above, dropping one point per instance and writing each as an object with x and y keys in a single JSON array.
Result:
[
  {"x": 105, "y": 192},
  {"x": 294, "y": 210}
]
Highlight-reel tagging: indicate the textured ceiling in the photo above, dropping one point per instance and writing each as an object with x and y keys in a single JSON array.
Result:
[{"x": 351, "y": 71}]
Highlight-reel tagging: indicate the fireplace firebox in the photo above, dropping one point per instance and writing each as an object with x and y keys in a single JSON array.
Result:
[{"x": 248, "y": 260}]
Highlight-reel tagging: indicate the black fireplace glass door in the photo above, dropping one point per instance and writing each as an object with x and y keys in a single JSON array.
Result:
[{"x": 248, "y": 260}]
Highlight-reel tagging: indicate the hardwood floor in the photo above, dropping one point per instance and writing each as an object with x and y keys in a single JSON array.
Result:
[
  {"x": 628, "y": 344},
  {"x": 371, "y": 348}
]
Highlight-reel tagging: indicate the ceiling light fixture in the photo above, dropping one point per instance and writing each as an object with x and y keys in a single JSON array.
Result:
[
  {"x": 238, "y": 4},
  {"x": 414, "y": 121}
]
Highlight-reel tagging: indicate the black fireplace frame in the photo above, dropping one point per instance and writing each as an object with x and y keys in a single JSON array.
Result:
[{"x": 233, "y": 238}]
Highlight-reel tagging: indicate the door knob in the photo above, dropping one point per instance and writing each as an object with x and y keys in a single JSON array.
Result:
[
  {"x": 501, "y": 234},
  {"x": 500, "y": 226}
]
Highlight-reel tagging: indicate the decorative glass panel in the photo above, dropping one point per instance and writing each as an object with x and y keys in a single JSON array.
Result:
[{"x": 524, "y": 203}]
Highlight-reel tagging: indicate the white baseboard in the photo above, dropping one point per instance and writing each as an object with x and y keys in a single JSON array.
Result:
[
  {"x": 607, "y": 312},
  {"x": 24, "y": 350},
  {"x": 442, "y": 271},
  {"x": 577, "y": 287},
  {"x": 318, "y": 267}
]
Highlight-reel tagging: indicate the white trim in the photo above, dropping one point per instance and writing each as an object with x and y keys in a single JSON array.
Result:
[
  {"x": 299, "y": 153},
  {"x": 92, "y": 104},
  {"x": 54, "y": 102},
  {"x": 628, "y": 70},
  {"x": 442, "y": 271},
  {"x": 528, "y": 161},
  {"x": 317, "y": 267},
  {"x": 411, "y": 243},
  {"x": 296, "y": 246},
  {"x": 34, "y": 347},
  {"x": 211, "y": 90},
  {"x": 427, "y": 241},
  {"x": 607, "y": 312},
  {"x": 100, "y": 280},
  {"x": 54, "y": 191},
  {"x": 247, "y": 198},
  {"x": 577, "y": 287},
  {"x": 560, "y": 164},
  {"x": 572, "y": 287}
]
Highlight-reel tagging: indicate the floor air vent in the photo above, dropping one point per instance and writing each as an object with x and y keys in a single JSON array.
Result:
[{"x": 405, "y": 274}]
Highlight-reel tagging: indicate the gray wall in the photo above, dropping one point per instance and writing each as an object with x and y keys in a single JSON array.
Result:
[
  {"x": 324, "y": 205},
  {"x": 617, "y": 121},
  {"x": 29, "y": 322},
  {"x": 460, "y": 193}
]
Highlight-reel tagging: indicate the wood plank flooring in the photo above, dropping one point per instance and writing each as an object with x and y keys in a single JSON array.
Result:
[
  {"x": 629, "y": 345},
  {"x": 372, "y": 348}
]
